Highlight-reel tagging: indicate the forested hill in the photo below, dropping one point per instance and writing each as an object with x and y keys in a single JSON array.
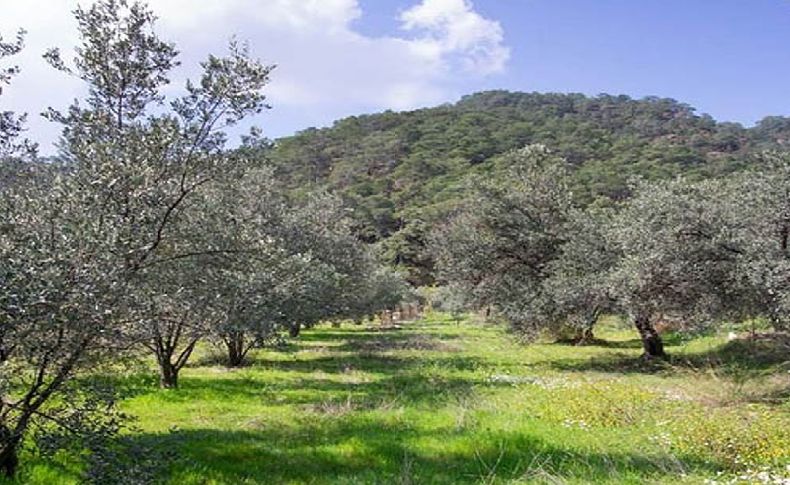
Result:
[{"x": 401, "y": 171}]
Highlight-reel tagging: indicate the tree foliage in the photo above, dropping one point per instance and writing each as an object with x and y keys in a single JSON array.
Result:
[
  {"x": 79, "y": 243},
  {"x": 696, "y": 252},
  {"x": 501, "y": 244}
]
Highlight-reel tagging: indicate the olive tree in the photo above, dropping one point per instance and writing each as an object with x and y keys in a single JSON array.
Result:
[
  {"x": 680, "y": 257},
  {"x": 296, "y": 263},
  {"x": 522, "y": 246},
  {"x": 76, "y": 248},
  {"x": 11, "y": 126},
  {"x": 759, "y": 210},
  {"x": 264, "y": 285},
  {"x": 500, "y": 246},
  {"x": 675, "y": 248},
  {"x": 379, "y": 288},
  {"x": 346, "y": 279},
  {"x": 174, "y": 313},
  {"x": 450, "y": 299},
  {"x": 321, "y": 229},
  {"x": 577, "y": 285},
  {"x": 225, "y": 245}
]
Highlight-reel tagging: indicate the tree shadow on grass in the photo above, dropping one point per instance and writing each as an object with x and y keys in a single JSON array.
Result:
[
  {"x": 412, "y": 388},
  {"x": 408, "y": 342},
  {"x": 389, "y": 448},
  {"x": 325, "y": 335},
  {"x": 309, "y": 380},
  {"x": 738, "y": 358},
  {"x": 350, "y": 450},
  {"x": 669, "y": 339},
  {"x": 372, "y": 361}
]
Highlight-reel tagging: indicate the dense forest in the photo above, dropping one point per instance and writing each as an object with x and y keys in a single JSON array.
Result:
[{"x": 401, "y": 172}]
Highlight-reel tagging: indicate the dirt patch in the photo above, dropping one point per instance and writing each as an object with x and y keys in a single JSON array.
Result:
[
  {"x": 333, "y": 407},
  {"x": 321, "y": 349},
  {"x": 418, "y": 342},
  {"x": 776, "y": 338}
]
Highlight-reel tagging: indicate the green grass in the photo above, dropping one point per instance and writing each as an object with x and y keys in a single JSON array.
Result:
[{"x": 443, "y": 403}]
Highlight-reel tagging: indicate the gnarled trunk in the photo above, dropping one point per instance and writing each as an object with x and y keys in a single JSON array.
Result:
[
  {"x": 168, "y": 375},
  {"x": 9, "y": 448},
  {"x": 295, "y": 330},
  {"x": 651, "y": 340},
  {"x": 170, "y": 361},
  {"x": 4, "y": 353},
  {"x": 237, "y": 350},
  {"x": 584, "y": 336}
]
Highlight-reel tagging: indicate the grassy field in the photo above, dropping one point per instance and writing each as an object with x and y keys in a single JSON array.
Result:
[{"x": 437, "y": 402}]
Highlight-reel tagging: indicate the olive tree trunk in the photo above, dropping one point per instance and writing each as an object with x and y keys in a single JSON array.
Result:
[
  {"x": 585, "y": 335},
  {"x": 9, "y": 448},
  {"x": 168, "y": 376},
  {"x": 170, "y": 360},
  {"x": 651, "y": 340},
  {"x": 236, "y": 345}
]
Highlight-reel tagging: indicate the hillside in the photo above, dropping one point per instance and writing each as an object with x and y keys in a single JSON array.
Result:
[{"x": 402, "y": 171}]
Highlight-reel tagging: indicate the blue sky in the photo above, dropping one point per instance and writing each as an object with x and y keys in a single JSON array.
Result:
[{"x": 729, "y": 58}]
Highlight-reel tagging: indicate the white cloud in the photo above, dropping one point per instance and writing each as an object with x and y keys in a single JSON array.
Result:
[
  {"x": 326, "y": 68},
  {"x": 454, "y": 28},
  {"x": 303, "y": 16}
]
